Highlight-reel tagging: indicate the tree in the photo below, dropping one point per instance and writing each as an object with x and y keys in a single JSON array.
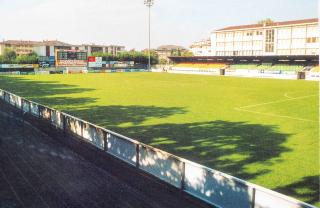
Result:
[
  {"x": 266, "y": 21},
  {"x": 9, "y": 56},
  {"x": 105, "y": 56},
  {"x": 163, "y": 61},
  {"x": 31, "y": 58},
  {"x": 137, "y": 57},
  {"x": 183, "y": 53},
  {"x": 187, "y": 54},
  {"x": 175, "y": 52}
]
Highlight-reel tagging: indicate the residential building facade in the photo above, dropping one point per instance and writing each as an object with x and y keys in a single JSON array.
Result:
[
  {"x": 48, "y": 47},
  {"x": 201, "y": 48},
  {"x": 165, "y": 51},
  {"x": 21, "y": 47},
  {"x": 92, "y": 48},
  {"x": 299, "y": 37}
]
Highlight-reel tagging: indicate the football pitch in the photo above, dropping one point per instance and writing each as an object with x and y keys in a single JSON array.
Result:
[{"x": 262, "y": 130}]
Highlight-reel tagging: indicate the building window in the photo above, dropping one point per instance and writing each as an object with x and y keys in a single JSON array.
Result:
[
  {"x": 81, "y": 56},
  {"x": 258, "y": 32},
  {"x": 312, "y": 40},
  {"x": 269, "y": 39},
  {"x": 269, "y": 47}
]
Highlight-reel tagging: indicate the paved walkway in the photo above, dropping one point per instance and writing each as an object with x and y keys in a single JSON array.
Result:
[{"x": 37, "y": 171}]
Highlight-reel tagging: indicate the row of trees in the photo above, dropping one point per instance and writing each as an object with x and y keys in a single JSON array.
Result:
[
  {"x": 181, "y": 53},
  {"x": 137, "y": 57},
  {"x": 10, "y": 57}
]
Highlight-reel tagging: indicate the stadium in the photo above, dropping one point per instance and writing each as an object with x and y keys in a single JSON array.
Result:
[{"x": 229, "y": 138}]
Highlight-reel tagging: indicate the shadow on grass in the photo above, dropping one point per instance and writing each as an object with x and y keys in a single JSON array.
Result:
[
  {"x": 222, "y": 145},
  {"x": 307, "y": 189},
  {"x": 115, "y": 115},
  {"x": 227, "y": 146},
  {"x": 236, "y": 148},
  {"x": 40, "y": 91}
]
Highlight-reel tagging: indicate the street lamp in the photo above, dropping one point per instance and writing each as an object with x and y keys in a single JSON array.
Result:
[{"x": 149, "y": 4}]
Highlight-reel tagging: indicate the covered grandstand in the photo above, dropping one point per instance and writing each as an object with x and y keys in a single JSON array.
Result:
[{"x": 256, "y": 66}]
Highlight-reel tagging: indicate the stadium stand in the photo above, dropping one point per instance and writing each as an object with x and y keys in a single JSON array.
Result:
[
  {"x": 265, "y": 66},
  {"x": 286, "y": 67},
  {"x": 243, "y": 66},
  {"x": 202, "y": 65},
  {"x": 247, "y": 66}
]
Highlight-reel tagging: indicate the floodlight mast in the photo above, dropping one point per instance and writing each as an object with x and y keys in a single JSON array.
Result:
[{"x": 149, "y": 4}]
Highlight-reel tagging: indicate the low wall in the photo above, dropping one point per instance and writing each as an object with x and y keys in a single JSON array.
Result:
[
  {"x": 211, "y": 186},
  {"x": 246, "y": 73}
]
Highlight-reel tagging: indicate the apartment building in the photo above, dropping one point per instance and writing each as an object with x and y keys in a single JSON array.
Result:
[
  {"x": 92, "y": 48},
  {"x": 21, "y": 47},
  {"x": 201, "y": 48},
  {"x": 298, "y": 37}
]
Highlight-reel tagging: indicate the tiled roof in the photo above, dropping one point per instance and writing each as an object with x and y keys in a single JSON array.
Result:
[
  {"x": 54, "y": 43},
  {"x": 20, "y": 42},
  {"x": 294, "y": 22},
  {"x": 170, "y": 47},
  {"x": 34, "y": 43}
]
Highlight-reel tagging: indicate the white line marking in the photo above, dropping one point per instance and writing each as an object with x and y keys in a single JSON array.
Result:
[
  {"x": 245, "y": 108},
  {"x": 274, "y": 115},
  {"x": 287, "y": 96},
  {"x": 278, "y": 101}
]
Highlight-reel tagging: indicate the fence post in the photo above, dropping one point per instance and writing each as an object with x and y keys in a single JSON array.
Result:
[
  {"x": 50, "y": 113},
  {"x": 183, "y": 175},
  {"x": 81, "y": 124},
  {"x": 22, "y": 117},
  {"x": 64, "y": 123},
  {"x": 253, "y": 199},
  {"x": 22, "y": 101},
  {"x": 29, "y": 107},
  {"x": 137, "y": 155},
  {"x": 39, "y": 111},
  {"x": 105, "y": 141}
]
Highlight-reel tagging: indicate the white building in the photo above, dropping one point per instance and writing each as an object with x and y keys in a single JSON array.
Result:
[
  {"x": 48, "y": 47},
  {"x": 299, "y": 37},
  {"x": 201, "y": 48},
  {"x": 92, "y": 48}
]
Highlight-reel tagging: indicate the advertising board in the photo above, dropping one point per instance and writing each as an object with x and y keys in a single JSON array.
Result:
[
  {"x": 19, "y": 66},
  {"x": 94, "y": 62},
  {"x": 71, "y": 58}
]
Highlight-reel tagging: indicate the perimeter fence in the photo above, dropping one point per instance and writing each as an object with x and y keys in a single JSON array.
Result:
[{"x": 212, "y": 186}]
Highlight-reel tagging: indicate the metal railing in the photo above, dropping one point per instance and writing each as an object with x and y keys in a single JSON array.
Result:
[{"x": 211, "y": 186}]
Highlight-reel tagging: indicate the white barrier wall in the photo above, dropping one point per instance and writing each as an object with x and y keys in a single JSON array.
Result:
[
  {"x": 94, "y": 135},
  {"x": 161, "y": 165},
  {"x": 45, "y": 113},
  {"x": 209, "y": 185},
  {"x": 275, "y": 74},
  {"x": 56, "y": 119},
  {"x": 34, "y": 109},
  {"x": 265, "y": 199},
  {"x": 25, "y": 107},
  {"x": 216, "y": 188},
  {"x": 121, "y": 148}
]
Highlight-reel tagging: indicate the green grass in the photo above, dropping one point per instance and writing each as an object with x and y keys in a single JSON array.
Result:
[{"x": 262, "y": 130}]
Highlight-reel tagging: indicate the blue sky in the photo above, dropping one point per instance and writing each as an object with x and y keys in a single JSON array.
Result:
[{"x": 125, "y": 21}]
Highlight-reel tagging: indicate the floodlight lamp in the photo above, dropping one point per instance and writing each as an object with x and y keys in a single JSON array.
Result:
[{"x": 148, "y": 3}]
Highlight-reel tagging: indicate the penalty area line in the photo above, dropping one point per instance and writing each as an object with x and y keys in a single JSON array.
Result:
[
  {"x": 275, "y": 115},
  {"x": 277, "y": 101}
]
